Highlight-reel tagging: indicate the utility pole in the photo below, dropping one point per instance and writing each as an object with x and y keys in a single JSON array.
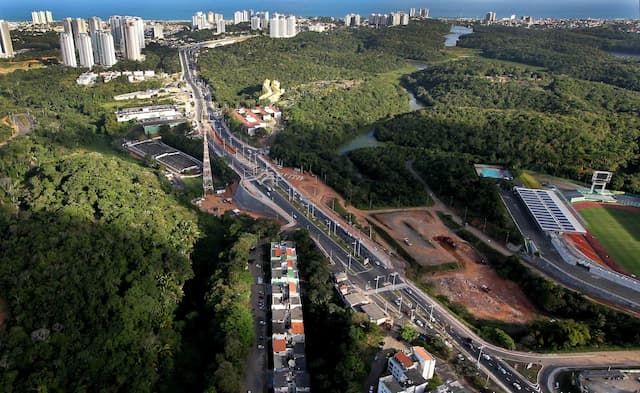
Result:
[
  {"x": 349, "y": 268},
  {"x": 479, "y": 354}
]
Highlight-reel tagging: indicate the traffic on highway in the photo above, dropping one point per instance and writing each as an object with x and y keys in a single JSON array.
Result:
[{"x": 367, "y": 265}]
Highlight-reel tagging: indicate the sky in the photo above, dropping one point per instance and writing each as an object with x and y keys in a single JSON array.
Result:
[{"x": 183, "y": 9}]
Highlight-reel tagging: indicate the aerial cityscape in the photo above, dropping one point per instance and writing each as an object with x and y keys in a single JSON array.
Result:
[{"x": 300, "y": 196}]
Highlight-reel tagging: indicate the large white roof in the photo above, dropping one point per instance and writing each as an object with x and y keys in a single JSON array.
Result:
[{"x": 549, "y": 211}]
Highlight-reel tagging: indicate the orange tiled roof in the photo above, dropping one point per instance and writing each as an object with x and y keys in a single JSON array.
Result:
[
  {"x": 279, "y": 345},
  {"x": 422, "y": 353},
  {"x": 292, "y": 287},
  {"x": 403, "y": 359},
  {"x": 297, "y": 327}
]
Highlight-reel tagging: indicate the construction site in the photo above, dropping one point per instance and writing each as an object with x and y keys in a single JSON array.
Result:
[{"x": 455, "y": 269}]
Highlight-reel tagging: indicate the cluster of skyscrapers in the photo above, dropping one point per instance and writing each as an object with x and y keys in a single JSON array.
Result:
[
  {"x": 210, "y": 20},
  {"x": 420, "y": 13},
  {"x": 281, "y": 26},
  {"x": 6, "y": 47},
  {"x": 490, "y": 17},
  {"x": 399, "y": 18},
  {"x": 95, "y": 45},
  {"x": 41, "y": 17}
]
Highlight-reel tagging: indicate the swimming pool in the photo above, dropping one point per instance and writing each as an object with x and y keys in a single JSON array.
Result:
[{"x": 491, "y": 172}]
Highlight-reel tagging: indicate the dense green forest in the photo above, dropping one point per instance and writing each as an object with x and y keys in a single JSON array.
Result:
[
  {"x": 523, "y": 118},
  {"x": 578, "y": 53},
  {"x": 110, "y": 282},
  {"x": 337, "y": 85}
]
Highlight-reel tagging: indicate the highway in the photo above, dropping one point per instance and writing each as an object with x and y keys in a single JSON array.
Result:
[{"x": 389, "y": 289}]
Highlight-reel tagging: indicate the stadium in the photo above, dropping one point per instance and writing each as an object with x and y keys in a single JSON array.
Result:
[{"x": 593, "y": 228}]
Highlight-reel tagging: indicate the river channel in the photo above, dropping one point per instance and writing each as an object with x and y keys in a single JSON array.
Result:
[{"x": 368, "y": 139}]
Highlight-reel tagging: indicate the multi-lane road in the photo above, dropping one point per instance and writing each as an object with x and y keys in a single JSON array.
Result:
[{"x": 348, "y": 250}]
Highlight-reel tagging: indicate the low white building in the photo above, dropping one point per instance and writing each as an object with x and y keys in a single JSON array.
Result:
[
  {"x": 158, "y": 112},
  {"x": 409, "y": 371},
  {"x": 87, "y": 78}
]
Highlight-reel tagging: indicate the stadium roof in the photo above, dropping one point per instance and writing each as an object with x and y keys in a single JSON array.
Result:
[{"x": 549, "y": 211}]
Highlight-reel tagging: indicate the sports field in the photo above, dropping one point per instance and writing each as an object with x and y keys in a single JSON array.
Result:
[{"x": 618, "y": 231}]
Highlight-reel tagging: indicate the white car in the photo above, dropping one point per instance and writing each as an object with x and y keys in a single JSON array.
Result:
[
  {"x": 419, "y": 323},
  {"x": 260, "y": 346},
  {"x": 517, "y": 386},
  {"x": 486, "y": 357}
]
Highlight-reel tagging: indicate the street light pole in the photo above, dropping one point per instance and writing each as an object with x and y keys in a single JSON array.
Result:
[{"x": 479, "y": 354}]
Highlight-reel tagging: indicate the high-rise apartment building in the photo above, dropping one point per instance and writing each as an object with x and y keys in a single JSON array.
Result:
[
  {"x": 6, "y": 47},
  {"x": 412, "y": 12},
  {"x": 105, "y": 49},
  {"x": 78, "y": 27},
  {"x": 41, "y": 17},
  {"x": 116, "y": 23},
  {"x": 404, "y": 18},
  {"x": 423, "y": 12},
  {"x": 85, "y": 50},
  {"x": 140, "y": 30},
  {"x": 158, "y": 31},
  {"x": 255, "y": 23},
  {"x": 352, "y": 20},
  {"x": 283, "y": 27},
  {"x": 200, "y": 21},
  {"x": 490, "y": 17},
  {"x": 132, "y": 48},
  {"x": 68, "y": 50},
  {"x": 95, "y": 25},
  {"x": 66, "y": 24},
  {"x": 221, "y": 26}
]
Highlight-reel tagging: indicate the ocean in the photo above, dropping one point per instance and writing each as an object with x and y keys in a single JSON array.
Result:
[{"x": 183, "y": 9}]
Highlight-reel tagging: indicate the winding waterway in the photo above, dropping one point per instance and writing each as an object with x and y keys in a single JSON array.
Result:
[{"x": 368, "y": 139}]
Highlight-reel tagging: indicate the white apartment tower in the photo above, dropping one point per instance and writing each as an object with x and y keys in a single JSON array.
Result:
[
  {"x": 352, "y": 20},
  {"x": 68, "y": 50},
  {"x": 283, "y": 27},
  {"x": 140, "y": 31},
  {"x": 158, "y": 31},
  {"x": 117, "y": 22},
  {"x": 66, "y": 24},
  {"x": 220, "y": 26},
  {"x": 78, "y": 26},
  {"x": 41, "y": 17},
  {"x": 237, "y": 17},
  {"x": 6, "y": 47},
  {"x": 255, "y": 23},
  {"x": 292, "y": 26},
  {"x": 132, "y": 48},
  {"x": 95, "y": 24},
  {"x": 199, "y": 21},
  {"x": 85, "y": 50},
  {"x": 105, "y": 49}
]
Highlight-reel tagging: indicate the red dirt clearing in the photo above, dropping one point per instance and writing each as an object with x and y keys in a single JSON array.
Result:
[
  {"x": 584, "y": 205},
  {"x": 584, "y": 247}
]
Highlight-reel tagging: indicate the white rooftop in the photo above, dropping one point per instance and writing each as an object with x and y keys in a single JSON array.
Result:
[{"x": 549, "y": 211}]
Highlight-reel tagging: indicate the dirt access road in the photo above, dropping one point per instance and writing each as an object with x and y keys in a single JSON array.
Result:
[{"x": 499, "y": 299}]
